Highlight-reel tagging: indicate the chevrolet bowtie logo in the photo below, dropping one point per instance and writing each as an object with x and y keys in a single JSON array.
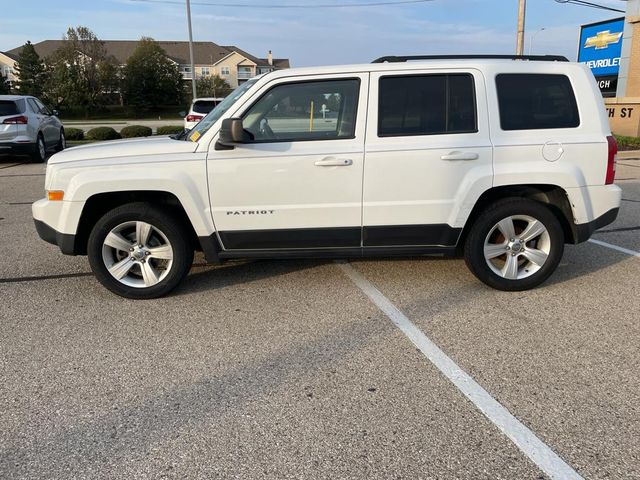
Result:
[{"x": 603, "y": 40}]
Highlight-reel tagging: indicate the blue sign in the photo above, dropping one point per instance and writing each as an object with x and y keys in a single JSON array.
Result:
[{"x": 601, "y": 46}]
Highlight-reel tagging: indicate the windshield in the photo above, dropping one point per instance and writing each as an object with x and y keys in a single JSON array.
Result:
[{"x": 215, "y": 114}]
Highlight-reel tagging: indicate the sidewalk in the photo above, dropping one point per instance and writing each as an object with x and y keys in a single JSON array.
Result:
[{"x": 628, "y": 154}]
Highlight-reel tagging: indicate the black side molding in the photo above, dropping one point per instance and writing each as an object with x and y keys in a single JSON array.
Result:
[
  {"x": 65, "y": 241},
  {"x": 584, "y": 230}
]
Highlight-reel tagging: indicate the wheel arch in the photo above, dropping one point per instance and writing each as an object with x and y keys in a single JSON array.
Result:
[
  {"x": 553, "y": 196},
  {"x": 100, "y": 203}
]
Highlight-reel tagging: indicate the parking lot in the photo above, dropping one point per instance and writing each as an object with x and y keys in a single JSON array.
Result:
[{"x": 391, "y": 368}]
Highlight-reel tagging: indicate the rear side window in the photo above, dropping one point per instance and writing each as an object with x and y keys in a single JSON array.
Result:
[
  {"x": 8, "y": 107},
  {"x": 204, "y": 106},
  {"x": 426, "y": 105},
  {"x": 536, "y": 101}
]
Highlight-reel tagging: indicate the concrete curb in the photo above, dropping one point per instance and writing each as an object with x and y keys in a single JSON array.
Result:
[{"x": 627, "y": 154}]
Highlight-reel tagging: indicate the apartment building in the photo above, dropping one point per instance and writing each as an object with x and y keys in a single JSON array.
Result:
[{"x": 229, "y": 62}]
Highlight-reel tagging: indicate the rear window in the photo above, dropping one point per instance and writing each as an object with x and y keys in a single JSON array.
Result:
[
  {"x": 426, "y": 105},
  {"x": 8, "y": 107},
  {"x": 536, "y": 101},
  {"x": 204, "y": 106}
]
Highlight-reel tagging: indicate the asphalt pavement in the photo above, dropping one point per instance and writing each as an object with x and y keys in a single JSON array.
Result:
[{"x": 288, "y": 369}]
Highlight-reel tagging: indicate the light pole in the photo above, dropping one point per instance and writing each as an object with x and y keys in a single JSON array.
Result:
[
  {"x": 533, "y": 35},
  {"x": 522, "y": 6},
  {"x": 193, "y": 69}
]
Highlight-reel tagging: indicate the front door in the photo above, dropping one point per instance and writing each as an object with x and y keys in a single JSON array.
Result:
[
  {"x": 428, "y": 146},
  {"x": 298, "y": 183}
]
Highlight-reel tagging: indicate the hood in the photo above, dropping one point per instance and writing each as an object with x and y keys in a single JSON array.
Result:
[{"x": 128, "y": 148}]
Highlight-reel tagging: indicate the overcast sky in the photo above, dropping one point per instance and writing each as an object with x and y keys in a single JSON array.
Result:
[{"x": 318, "y": 36}]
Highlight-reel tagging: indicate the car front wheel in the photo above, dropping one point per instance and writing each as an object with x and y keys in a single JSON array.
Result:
[
  {"x": 140, "y": 252},
  {"x": 516, "y": 244}
]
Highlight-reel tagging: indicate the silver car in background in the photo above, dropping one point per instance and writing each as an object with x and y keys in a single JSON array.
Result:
[{"x": 28, "y": 127}]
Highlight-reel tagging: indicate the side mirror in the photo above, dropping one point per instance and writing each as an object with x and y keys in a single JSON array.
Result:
[
  {"x": 232, "y": 133},
  {"x": 55, "y": 113}
]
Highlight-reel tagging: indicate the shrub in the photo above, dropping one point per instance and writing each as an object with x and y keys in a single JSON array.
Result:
[
  {"x": 73, "y": 134},
  {"x": 169, "y": 129},
  {"x": 628, "y": 143},
  {"x": 102, "y": 133},
  {"x": 132, "y": 131}
]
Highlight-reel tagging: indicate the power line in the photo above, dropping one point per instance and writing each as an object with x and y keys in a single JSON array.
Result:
[
  {"x": 584, "y": 3},
  {"x": 258, "y": 5}
]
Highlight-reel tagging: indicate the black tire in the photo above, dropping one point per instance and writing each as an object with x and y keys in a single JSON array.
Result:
[
  {"x": 167, "y": 223},
  {"x": 484, "y": 225},
  {"x": 39, "y": 155},
  {"x": 62, "y": 143}
]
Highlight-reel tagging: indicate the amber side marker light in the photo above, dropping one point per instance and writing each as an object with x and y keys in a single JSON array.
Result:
[{"x": 55, "y": 195}]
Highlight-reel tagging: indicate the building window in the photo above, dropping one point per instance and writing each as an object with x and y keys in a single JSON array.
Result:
[
  {"x": 224, "y": 70},
  {"x": 205, "y": 71},
  {"x": 186, "y": 69}
]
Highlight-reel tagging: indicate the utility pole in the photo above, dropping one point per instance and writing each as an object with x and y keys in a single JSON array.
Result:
[
  {"x": 193, "y": 69},
  {"x": 522, "y": 6}
]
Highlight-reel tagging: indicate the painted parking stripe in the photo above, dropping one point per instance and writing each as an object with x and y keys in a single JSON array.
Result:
[
  {"x": 614, "y": 247},
  {"x": 527, "y": 441}
]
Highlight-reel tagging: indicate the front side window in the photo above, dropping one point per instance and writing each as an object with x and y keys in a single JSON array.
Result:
[
  {"x": 426, "y": 105},
  {"x": 315, "y": 110},
  {"x": 536, "y": 101}
]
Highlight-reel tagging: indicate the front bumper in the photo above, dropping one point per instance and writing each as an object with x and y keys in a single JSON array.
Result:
[{"x": 66, "y": 242}]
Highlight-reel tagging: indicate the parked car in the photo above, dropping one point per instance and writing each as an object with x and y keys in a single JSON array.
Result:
[
  {"x": 501, "y": 160},
  {"x": 28, "y": 127},
  {"x": 200, "y": 107}
]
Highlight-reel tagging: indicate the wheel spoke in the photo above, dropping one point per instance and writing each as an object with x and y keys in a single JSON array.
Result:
[
  {"x": 143, "y": 230},
  {"x": 510, "y": 269},
  {"x": 493, "y": 250},
  {"x": 117, "y": 241},
  {"x": 120, "y": 269},
  {"x": 149, "y": 275},
  {"x": 536, "y": 256},
  {"x": 506, "y": 228},
  {"x": 163, "y": 252},
  {"x": 533, "y": 230}
]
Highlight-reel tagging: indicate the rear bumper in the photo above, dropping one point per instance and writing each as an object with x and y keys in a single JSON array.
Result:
[
  {"x": 14, "y": 148},
  {"x": 584, "y": 230},
  {"x": 66, "y": 242}
]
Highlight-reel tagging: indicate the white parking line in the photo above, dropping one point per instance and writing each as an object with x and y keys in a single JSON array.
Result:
[
  {"x": 614, "y": 247},
  {"x": 527, "y": 441}
]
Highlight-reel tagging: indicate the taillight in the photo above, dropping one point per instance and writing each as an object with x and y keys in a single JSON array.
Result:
[
  {"x": 21, "y": 120},
  {"x": 611, "y": 160},
  {"x": 194, "y": 118}
]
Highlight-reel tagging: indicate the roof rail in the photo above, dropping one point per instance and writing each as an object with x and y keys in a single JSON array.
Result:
[{"x": 406, "y": 58}]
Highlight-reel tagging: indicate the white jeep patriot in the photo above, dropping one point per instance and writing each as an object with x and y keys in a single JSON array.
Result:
[{"x": 501, "y": 159}]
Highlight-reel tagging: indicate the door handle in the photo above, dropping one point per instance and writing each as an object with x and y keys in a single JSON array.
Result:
[
  {"x": 334, "y": 162},
  {"x": 460, "y": 156}
]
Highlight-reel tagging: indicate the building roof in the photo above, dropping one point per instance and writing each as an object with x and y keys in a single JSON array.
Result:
[
  {"x": 10, "y": 55},
  {"x": 204, "y": 53}
]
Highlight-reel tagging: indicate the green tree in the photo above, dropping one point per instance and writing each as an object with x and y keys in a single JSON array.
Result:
[
  {"x": 150, "y": 78},
  {"x": 213, "y": 86},
  {"x": 5, "y": 87},
  {"x": 80, "y": 74},
  {"x": 30, "y": 71}
]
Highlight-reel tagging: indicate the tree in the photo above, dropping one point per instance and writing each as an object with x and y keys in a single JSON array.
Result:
[
  {"x": 213, "y": 86},
  {"x": 150, "y": 78},
  {"x": 5, "y": 86},
  {"x": 80, "y": 73},
  {"x": 30, "y": 71}
]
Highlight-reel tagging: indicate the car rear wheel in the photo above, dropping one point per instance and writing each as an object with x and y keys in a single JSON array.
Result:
[
  {"x": 140, "y": 252},
  {"x": 516, "y": 244},
  {"x": 40, "y": 150}
]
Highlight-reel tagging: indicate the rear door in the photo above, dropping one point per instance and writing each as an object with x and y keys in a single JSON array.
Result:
[
  {"x": 428, "y": 148},
  {"x": 298, "y": 184}
]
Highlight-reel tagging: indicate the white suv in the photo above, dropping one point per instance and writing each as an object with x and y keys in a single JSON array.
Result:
[
  {"x": 200, "y": 107},
  {"x": 500, "y": 159}
]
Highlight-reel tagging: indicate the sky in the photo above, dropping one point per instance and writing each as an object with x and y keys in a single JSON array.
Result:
[{"x": 314, "y": 36}]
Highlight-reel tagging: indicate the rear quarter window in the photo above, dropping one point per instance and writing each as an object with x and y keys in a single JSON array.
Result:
[{"x": 536, "y": 101}]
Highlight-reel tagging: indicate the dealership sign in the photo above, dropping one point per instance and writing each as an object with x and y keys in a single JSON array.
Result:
[{"x": 600, "y": 49}]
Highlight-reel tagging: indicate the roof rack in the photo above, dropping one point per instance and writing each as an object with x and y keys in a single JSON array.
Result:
[{"x": 406, "y": 58}]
